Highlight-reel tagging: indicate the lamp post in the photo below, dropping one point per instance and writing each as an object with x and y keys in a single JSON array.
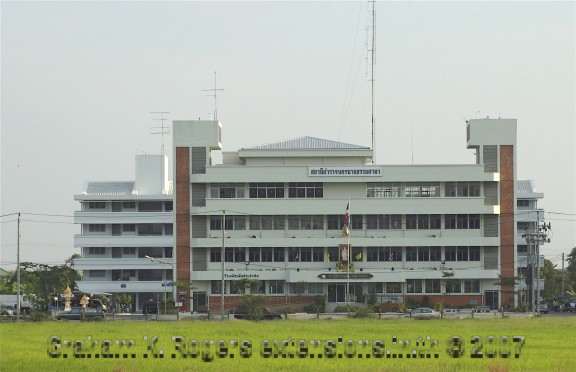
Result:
[{"x": 165, "y": 282}]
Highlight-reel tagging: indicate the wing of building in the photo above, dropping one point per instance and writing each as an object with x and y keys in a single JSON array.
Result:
[{"x": 268, "y": 220}]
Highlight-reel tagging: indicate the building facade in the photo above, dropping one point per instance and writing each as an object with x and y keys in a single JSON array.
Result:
[
  {"x": 126, "y": 236},
  {"x": 269, "y": 220}
]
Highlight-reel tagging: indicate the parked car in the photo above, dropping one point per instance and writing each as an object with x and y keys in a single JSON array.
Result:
[
  {"x": 570, "y": 306},
  {"x": 7, "y": 310},
  {"x": 451, "y": 311},
  {"x": 76, "y": 314},
  {"x": 482, "y": 309},
  {"x": 424, "y": 313}
]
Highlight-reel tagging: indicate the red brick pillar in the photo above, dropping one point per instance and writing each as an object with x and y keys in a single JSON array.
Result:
[
  {"x": 182, "y": 181},
  {"x": 507, "y": 224}
]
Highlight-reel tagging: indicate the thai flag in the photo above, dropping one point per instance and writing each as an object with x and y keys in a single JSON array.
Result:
[{"x": 346, "y": 224}]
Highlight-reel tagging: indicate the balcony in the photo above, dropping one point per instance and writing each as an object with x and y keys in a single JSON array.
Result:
[
  {"x": 109, "y": 217},
  {"x": 106, "y": 240},
  {"x": 109, "y": 263},
  {"x": 93, "y": 286},
  {"x": 439, "y": 205}
]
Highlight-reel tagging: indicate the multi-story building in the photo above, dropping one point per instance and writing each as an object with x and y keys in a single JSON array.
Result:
[
  {"x": 418, "y": 233},
  {"x": 126, "y": 237},
  {"x": 528, "y": 216}
]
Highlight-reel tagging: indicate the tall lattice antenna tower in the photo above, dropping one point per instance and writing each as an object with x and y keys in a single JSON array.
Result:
[
  {"x": 214, "y": 93},
  {"x": 372, "y": 51}
]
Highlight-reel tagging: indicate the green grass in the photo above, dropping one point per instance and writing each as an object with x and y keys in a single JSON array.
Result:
[{"x": 550, "y": 344}]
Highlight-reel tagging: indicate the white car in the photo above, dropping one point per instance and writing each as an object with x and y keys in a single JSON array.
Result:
[{"x": 424, "y": 313}]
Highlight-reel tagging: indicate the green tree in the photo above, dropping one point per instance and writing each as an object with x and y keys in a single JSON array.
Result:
[
  {"x": 552, "y": 280},
  {"x": 571, "y": 270}
]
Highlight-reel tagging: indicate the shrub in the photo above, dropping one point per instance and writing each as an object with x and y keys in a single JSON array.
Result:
[
  {"x": 38, "y": 316},
  {"x": 252, "y": 306},
  {"x": 362, "y": 312}
]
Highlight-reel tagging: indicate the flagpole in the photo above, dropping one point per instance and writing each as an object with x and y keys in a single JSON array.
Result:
[{"x": 348, "y": 253}]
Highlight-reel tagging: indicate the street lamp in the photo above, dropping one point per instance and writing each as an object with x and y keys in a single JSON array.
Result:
[{"x": 165, "y": 282}]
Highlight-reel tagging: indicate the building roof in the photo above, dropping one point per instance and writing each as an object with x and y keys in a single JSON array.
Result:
[
  {"x": 526, "y": 189},
  {"x": 110, "y": 188},
  {"x": 307, "y": 143}
]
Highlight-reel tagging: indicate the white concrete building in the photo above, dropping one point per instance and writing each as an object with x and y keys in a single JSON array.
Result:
[
  {"x": 529, "y": 215},
  {"x": 419, "y": 233},
  {"x": 126, "y": 237}
]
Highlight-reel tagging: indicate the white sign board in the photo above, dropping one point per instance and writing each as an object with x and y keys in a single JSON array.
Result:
[{"x": 344, "y": 172}]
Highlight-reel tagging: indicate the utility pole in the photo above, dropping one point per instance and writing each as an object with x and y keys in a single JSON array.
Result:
[
  {"x": 214, "y": 93},
  {"x": 18, "y": 304},
  {"x": 222, "y": 265},
  {"x": 535, "y": 239},
  {"x": 372, "y": 65},
  {"x": 562, "y": 287}
]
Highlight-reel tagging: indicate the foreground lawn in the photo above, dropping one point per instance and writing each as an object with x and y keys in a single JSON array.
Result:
[{"x": 550, "y": 344}]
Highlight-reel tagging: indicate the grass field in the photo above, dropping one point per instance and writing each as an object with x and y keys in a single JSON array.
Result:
[{"x": 550, "y": 344}]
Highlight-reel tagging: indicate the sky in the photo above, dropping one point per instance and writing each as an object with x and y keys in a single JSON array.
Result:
[{"x": 79, "y": 80}]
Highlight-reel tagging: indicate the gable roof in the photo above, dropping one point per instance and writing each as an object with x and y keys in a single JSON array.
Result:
[{"x": 307, "y": 143}]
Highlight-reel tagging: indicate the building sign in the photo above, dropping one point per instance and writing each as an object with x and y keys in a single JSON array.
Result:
[
  {"x": 241, "y": 276},
  {"x": 344, "y": 172},
  {"x": 344, "y": 276}
]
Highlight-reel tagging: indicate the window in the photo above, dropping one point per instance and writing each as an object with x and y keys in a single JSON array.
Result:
[
  {"x": 435, "y": 254},
  {"x": 233, "y": 254},
  {"x": 305, "y": 254},
  {"x": 450, "y": 221},
  {"x": 435, "y": 221},
  {"x": 522, "y": 203},
  {"x": 297, "y": 288},
  {"x": 432, "y": 285},
  {"x": 129, "y": 227},
  {"x": 266, "y": 190},
  {"x": 335, "y": 222},
  {"x": 305, "y": 190},
  {"x": 356, "y": 221},
  {"x": 472, "y": 286},
  {"x": 474, "y": 189},
  {"x": 129, "y": 205},
  {"x": 462, "y": 189},
  {"x": 372, "y": 221},
  {"x": 96, "y": 205},
  {"x": 474, "y": 221},
  {"x": 96, "y": 251},
  {"x": 357, "y": 254},
  {"x": 450, "y": 189},
  {"x": 258, "y": 287},
  {"x": 232, "y": 222},
  {"x": 267, "y": 254},
  {"x": 318, "y": 254},
  {"x": 150, "y": 229},
  {"x": 215, "y": 222},
  {"x": 279, "y": 254},
  {"x": 168, "y": 252},
  {"x": 450, "y": 253},
  {"x": 413, "y": 286},
  {"x": 375, "y": 288},
  {"x": 411, "y": 254},
  {"x": 254, "y": 254},
  {"x": 422, "y": 190},
  {"x": 97, "y": 273},
  {"x": 236, "y": 286},
  {"x": 453, "y": 286},
  {"x": 150, "y": 206},
  {"x": 474, "y": 253},
  {"x": 215, "y": 286},
  {"x": 129, "y": 251},
  {"x": 522, "y": 248},
  {"x": 423, "y": 222},
  {"x": 333, "y": 254},
  {"x": 168, "y": 206},
  {"x": 423, "y": 254},
  {"x": 381, "y": 190},
  {"x": 168, "y": 229},
  {"x": 275, "y": 286},
  {"x": 396, "y": 221},
  {"x": 462, "y": 221},
  {"x": 226, "y": 190},
  {"x": 462, "y": 254},
  {"x": 96, "y": 228},
  {"x": 315, "y": 288},
  {"x": 411, "y": 221},
  {"x": 393, "y": 288},
  {"x": 372, "y": 254},
  {"x": 239, "y": 254}
]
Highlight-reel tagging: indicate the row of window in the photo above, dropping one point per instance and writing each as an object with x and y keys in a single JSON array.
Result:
[
  {"x": 274, "y": 190},
  {"x": 422, "y": 190},
  {"x": 331, "y": 254},
  {"x": 451, "y": 286},
  {"x": 135, "y": 275},
  {"x": 141, "y": 206},
  {"x": 357, "y": 222},
  {"x": 142, "y": 252},
  {"x": 255, "y": 287},
  {"x": 131, "y": 228}
]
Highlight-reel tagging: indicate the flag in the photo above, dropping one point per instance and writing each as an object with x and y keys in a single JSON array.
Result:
[{"x": 346, "y": 224}]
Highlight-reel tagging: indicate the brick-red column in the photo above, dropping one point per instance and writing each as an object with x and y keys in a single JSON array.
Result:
[
  {"x": 507, "y": 221},
  {"x": 183, "y": 223}
]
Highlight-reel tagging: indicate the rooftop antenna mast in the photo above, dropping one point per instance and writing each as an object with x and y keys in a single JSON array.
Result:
[
  {"x": 214, "y": 93},
  {"x": 372, "y": 51},
  {"x": 162, "y": 130}
]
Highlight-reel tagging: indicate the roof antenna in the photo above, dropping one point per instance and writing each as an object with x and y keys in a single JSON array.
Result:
[
  {"x": 162, "y": 130},
  {"x": 412, "y": 142},
  {"x": 214, "y": 95},
  {"x": 372, "y": 51}
]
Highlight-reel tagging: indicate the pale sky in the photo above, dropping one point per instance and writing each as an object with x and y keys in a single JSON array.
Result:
[{"x": 79, "y": 81}]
